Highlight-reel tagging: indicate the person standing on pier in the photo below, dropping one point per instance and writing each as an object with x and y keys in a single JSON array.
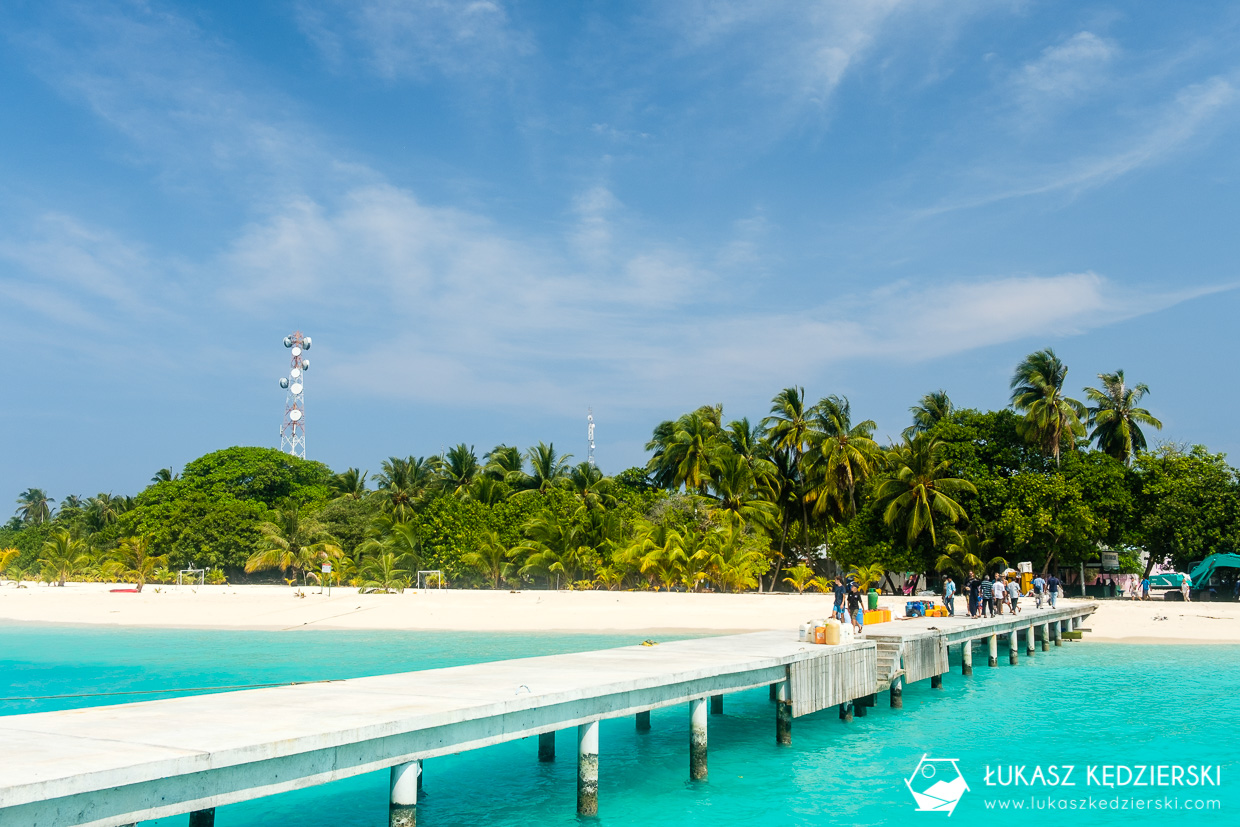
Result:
[
  {"x": 1052, "y": 589},
  {"x": 987, "y": 606},
  {"x": 837, "y": 611},
  {"x": 1039, "y": 589},
  {"x": 973, "y": 587},
  {"x": 1014, "y": 596},
  {"x": 854, "y": 609},
  {"x": 949, "y": 596}
]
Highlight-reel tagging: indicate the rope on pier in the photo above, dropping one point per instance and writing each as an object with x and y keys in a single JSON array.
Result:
[{"x": 165, "y": 691}]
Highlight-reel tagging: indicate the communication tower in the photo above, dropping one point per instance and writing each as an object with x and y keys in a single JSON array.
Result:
[
  {"x": 590, "y": 435},
  {"x": 293, "y": 426}
]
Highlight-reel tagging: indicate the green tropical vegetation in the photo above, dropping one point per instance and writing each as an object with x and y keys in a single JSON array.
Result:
[{"x": 722, "y": 504}]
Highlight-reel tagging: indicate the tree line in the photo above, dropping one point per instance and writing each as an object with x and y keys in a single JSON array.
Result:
[{"x": 724, "y": 504}]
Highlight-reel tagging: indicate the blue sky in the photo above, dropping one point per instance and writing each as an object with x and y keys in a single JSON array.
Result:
[{"x": 492, "y": 215}]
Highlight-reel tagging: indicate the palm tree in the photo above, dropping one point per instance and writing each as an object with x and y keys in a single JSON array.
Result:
[
  {"x": 350, "y": 484},
  {"x": 384, "y": 573},
  {"x": 403, "y": 484},
  {"x": 292, "y": 541},
  {"x": 684, "y": 449},
  {"x": 921, "y": 489},
  {"x": 505, "y": 463},
  {"x": 736, "y": 558},
  {"x": 930, "y": 411},
  {"x": 34, "y": 507},
  {"x": 165, "y": 475},
  {"x": 1115, "y": 417},
  {"x": 788, "y": 427},
  {"x": 592, "y": 487},
  {"x": 799, "y": 577},
  {"x": 63, "y": 557},
  {"x": 1037, "y": 391},
  {"x": 7, "y": 556},
  {"x": 133, "y": 560},
  {"x": 103, "y": 509},
  {"x": 737, "y": 488},
  {"x": 458, "y": 468},
  {"x": 968, "y": 552},
  {"x": 842, "y": 455},
  {"x": 547, "y": 468},
  {"x": 490, "y": 558},
  {"x": 867, "y": 576},
  {"x": 391, "y": 536}
]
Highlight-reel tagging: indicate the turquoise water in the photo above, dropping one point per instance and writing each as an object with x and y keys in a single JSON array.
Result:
[{"x": 1082, "y": 704}]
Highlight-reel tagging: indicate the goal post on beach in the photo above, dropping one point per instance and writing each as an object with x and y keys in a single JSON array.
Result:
[
  {"x": 188, "y": 576},
  {"x": 425, "y": 578}
]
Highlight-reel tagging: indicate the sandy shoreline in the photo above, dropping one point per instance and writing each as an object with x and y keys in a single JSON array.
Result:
[{"x": 277, "y": 608}]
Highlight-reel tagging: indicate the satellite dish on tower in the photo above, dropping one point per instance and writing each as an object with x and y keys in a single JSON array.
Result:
[
  {"x": 306, "y": 343},
  {"x": 288, "y": 341},
  {"x": 283, "y": 382},
  {"x": 295, "y": 372},
  {"x": 294, "y": 415},
  {"x": 305, "y": 364},
  {"x": 296, "y": 387},
  {"x": 296, "y": 351}
]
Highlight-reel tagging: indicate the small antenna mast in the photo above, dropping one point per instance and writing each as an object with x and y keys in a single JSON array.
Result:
[{"x": 590, "y": 435}]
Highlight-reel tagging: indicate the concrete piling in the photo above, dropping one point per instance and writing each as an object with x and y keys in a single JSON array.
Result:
[
  {"x": 861, "y": 708},
  {"x": 546, "y": 746},
  {"x": 1013, "y": 646},
  {"x": 643, "y": 721},
  {"x": 716, "y": 704},
  {"x": 783, "y": 713},
  {"x": 936, "y": 681},
  {"x": 697, "y": 739},
  {"x": 774, "y": 691},
  {"x": 587, "y": 769},
  {"x": 403, "y": 800},
  {"x": 966, "y": 658},
  {"x": 202, "y": 818},
  {"x": 1029, "y": 641},
  {"x": 1046, "y": 637},
  {"x": 895, "y": 695},
  {"x": 993, "y": 650},
  {"x": 1057, "y": 631},
  {"x": 846, "y": 712}
]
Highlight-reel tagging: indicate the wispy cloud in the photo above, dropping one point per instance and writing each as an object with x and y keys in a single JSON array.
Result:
[
  {"x": 1065, "y": 70},
  {"x": 417, "y": 39}
]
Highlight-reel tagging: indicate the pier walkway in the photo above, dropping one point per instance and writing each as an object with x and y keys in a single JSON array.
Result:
[{"x": 118, "y": 765}]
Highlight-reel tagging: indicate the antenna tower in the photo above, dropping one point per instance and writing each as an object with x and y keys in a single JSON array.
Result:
[
  {"x": 590, "y": 435},
  {"x": 293, "y": 426}
]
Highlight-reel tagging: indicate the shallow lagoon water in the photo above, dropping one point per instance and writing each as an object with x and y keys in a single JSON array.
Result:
[{"x": 1082, "y": 704}]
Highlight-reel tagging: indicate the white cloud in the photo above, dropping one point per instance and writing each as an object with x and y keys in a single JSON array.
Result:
[
  {"x": 411, "y": 38},
  {"x": 1067, "y": 69}
]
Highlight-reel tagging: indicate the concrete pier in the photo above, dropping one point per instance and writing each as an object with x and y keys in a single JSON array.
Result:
[
  {"x": 1046, "y": 637},
  {"x": 716, "y": 704},
  {"x": 1013, "y": 644},
  {"x": 1029, "y": 641},
  {"x": 546, "y": 746},
  {"x": 697, "y": 739},
  {"x": 783, "y": 714},
  {"x": 118, "y": 765},
  {"x": 966, "y": 658},
  {"x": 1057, "y": 630},
  {"x": 587, "y": 769},
  {"x": 992, "y": 643},
  {"x": 403, "y": 801}
]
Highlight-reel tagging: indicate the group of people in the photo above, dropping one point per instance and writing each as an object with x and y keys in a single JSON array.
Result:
[
  {"x": 989, "y": 595},
  {"x": 848, "y": 606}
]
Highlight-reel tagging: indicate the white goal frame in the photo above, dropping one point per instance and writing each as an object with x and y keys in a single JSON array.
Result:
[
  {"x": 422, "y": 579},
  {"x": 194, "y": 574}
]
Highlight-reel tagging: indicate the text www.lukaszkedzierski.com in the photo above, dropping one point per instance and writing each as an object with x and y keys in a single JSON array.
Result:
[{"x": 1090, "y": 803}]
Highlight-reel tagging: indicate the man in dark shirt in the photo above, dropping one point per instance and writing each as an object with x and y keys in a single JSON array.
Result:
[
  {"x": 975, "y": 593},
  {"x": 1052, "y": 589},
  {"x": 854, "y": 608},
  {"x": 988, "y": 597},
  {"x": 838, "y": 591}
]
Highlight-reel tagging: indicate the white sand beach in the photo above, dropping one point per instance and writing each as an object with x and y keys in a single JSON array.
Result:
[{"x": 278, "y": 607}]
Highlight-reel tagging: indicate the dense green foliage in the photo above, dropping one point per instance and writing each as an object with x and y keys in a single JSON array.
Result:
[{"x": 729, "y": 505}]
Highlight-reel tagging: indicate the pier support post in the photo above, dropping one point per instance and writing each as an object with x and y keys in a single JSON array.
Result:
[
  {"x": 403, "y": 801},
  {"x": 1029, "y": 641},
  {"x": 860, "y": 707},
  {"x": 774, "y": 691},
  {"x": 587, "y": 769},
  {"x": 936, "y": 681},
  {"x": 896, "y": 694},
  {"x": 1057, "y": 630},
  {"x": 716, "y": 704},
  {"x": 966, "y": 658},
  {"x": 1046, "y": 637},
  {"x": 846, "y": 712},
  {"x": 546, "y": 746},
  {"x": 1013, "y": 646},
  {"x": 783, "y": 713},
  {"x": 993, "y": 642},
  {"x": 697, "y": 739},
  {"x": 643, "y": 721},
  {"x": 202, "y": 818}
]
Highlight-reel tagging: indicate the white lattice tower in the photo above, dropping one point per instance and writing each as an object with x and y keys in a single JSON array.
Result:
[
  {"x": 590, "y": 435},
  {"x": 293, "y": 426}
]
